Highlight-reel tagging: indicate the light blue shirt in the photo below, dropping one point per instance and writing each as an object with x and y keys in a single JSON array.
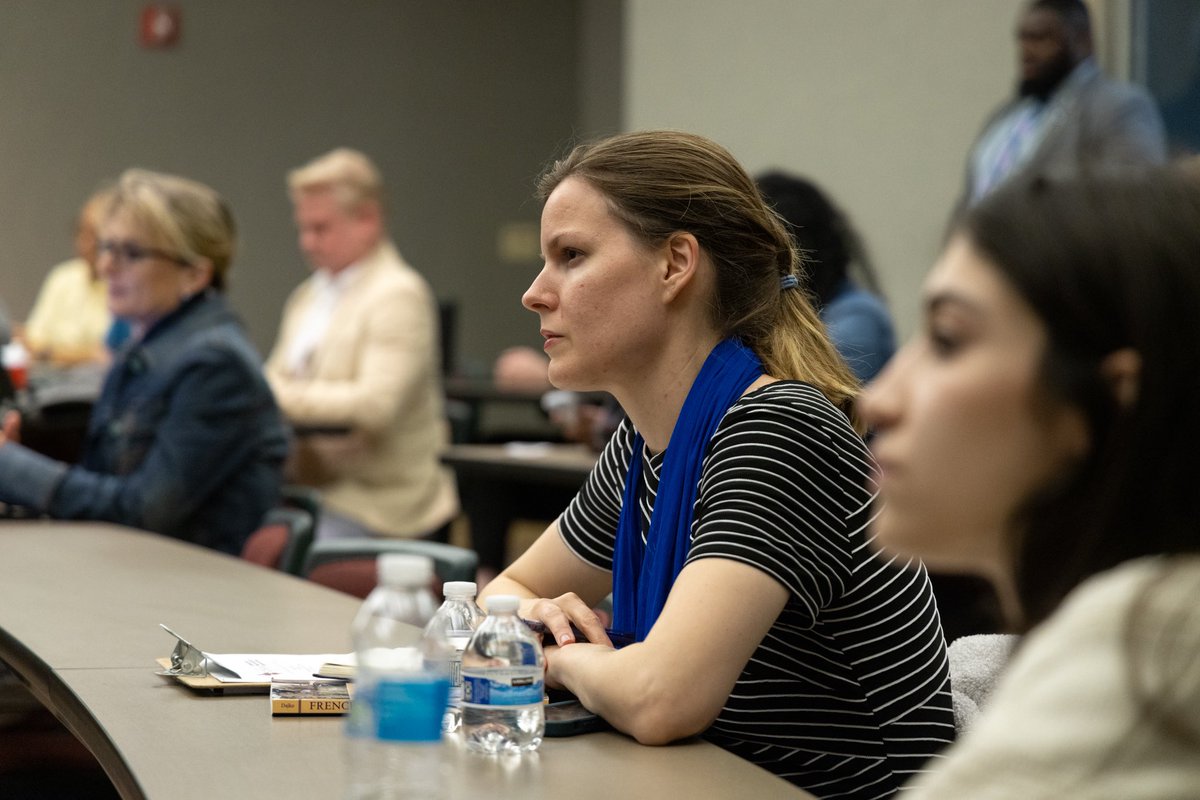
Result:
[
  {"x": 1011, "y": 140},
  {"x": 861, "y": 329}
]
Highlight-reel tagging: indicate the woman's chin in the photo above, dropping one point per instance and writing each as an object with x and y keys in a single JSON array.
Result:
[{"x": 563, "y": 378}]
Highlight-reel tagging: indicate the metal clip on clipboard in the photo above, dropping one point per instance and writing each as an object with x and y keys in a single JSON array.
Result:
[{"x": 186, "y": 659}]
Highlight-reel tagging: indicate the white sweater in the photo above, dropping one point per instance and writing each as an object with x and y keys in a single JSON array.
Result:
[{"x": 1064, "y": 721}]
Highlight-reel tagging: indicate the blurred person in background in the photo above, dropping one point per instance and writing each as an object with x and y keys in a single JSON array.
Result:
[
  {"x": 1068, "y": 118},
  {"x": 837, "y": 272},
  {"x": 356, "y": 365},
  {"x": 70, "y": 322},
  {"x": 185, "y": 438}
]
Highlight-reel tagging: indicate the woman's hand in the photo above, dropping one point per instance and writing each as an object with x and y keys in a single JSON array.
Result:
[
  {"x": 559, "y": 660},
  {"x": 10, "y": 429},
  {"x": 550, "y": 651},
  {"x": 559, "y": 613},
  {"x": 557, "y": 588}
]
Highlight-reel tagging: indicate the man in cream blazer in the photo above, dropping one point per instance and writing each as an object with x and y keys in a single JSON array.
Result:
[{"x": 355, "y": 367}]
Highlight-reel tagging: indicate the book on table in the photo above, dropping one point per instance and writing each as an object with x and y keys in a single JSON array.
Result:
[
  {"x": 316, "y": 696},
  {"x": 343, "y": 667}
]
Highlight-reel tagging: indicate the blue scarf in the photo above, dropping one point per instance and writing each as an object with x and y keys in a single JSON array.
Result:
[{"x": 643, "y": 573}]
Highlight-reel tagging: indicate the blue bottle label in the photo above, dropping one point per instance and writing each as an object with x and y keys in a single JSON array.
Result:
[
  {"x": 409, "y": 710},
  {"x": 502, "y": 686}
]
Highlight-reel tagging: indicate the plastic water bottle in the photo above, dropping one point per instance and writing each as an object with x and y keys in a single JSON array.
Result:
[
  {"x": 394, "y": 730},
  {"x": 503, "y": 671},
  {"x": 456, "y": 621}
]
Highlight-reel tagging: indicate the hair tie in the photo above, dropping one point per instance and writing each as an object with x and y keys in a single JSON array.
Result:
[{"x": 788, "y": 282}]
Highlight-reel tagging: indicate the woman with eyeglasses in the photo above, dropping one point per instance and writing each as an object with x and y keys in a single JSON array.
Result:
[
  {"x": 1038, "y": 432},
  {"x": 185, "y": 438}
]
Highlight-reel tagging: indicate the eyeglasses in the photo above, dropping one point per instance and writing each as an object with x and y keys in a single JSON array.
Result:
[{"x": 126, "y": 253}]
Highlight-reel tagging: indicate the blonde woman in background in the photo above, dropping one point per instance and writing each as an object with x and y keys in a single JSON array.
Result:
[
  {"x": 70, "y": 319},
  {"x": 185, "y": 438}
]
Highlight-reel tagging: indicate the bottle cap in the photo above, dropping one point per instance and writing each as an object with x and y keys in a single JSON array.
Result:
[
  {"x": 459, "y": 589},
  {"x": 404, "y": 569},
  {"x": 502, "y": 602}
]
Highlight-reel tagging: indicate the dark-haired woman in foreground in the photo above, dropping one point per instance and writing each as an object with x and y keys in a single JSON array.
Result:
[
  {"x": 727, "y": 513},
  {"x": 1038, "y": 432}
]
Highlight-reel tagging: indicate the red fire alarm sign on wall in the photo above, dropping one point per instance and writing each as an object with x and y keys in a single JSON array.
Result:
[{"x": 160, "y": 26}]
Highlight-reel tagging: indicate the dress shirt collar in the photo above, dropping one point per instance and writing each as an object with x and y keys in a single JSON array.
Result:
[{"x": 329, "y": 282}]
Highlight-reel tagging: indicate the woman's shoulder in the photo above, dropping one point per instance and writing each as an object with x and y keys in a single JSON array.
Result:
[
  {"x": 1123, "y": 641},
  {"x": 212, "y": 337},
  {"x": 802, "y": 404},
  {"x": 1142, "y": 614},
  {"x": 1155, "y": 586},
  {"x": 799, "y": 426}
]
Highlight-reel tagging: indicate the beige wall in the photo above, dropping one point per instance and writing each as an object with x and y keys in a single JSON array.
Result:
[{"x": 876, "y": 100}]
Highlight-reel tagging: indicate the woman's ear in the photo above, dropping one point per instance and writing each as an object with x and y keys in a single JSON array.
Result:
[
  {"x": 1122, "y": 371},
  {"x": 201, "y": 275},
  {"x": 682, "y": 253}
]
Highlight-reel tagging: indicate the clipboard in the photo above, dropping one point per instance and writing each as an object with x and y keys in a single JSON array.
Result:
[
  {"x": 207, "y": 684},
  {"x": 221, "y": 673},
  {"x": 190, "y": 666}
]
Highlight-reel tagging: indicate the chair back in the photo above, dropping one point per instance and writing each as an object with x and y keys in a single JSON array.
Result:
[
  {"x": 295, "y": 495},
  {"x": 348, "y": 565},
  {"x": 448, "y": 334},
  {"x": 57, "y": 428},
  {"x": 282, "y": 541},
  {"x": 7, "y": 390}
]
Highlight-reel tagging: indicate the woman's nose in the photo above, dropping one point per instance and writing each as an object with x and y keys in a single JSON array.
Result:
[
  {"x": 104, "y": 264},
  {"x": 880, "y": 402},
  {"x": 538, "y": 296}
]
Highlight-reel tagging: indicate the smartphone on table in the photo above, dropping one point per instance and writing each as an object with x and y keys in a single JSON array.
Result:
[{"x": 566, "y": 716}]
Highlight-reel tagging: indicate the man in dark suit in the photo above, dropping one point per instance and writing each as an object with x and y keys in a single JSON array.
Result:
[{"x": 1067, "y": 118}]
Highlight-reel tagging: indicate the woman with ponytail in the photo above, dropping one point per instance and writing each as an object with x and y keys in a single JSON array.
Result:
[{"x": 727, "y": 514}]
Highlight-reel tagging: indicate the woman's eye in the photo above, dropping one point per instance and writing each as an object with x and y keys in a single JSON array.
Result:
[
  {"x": 571, "y": 254},
  {"x": 943, "y": 343}
]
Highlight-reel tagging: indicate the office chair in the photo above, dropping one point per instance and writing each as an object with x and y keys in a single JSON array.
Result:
[
  {"x": 348, "y": 565},
  {"x": 7, "y": 390},
  {"x": 57, "y": 427},
  {"x": 282, "y": 541},
  {"x": 305, "y": 497},
  {"x": 448, "y": 334}
]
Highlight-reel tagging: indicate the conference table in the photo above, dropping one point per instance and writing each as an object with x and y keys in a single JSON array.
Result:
[
  {"x": 498, "y": 483},
  {"x": 80, "y": 607}
]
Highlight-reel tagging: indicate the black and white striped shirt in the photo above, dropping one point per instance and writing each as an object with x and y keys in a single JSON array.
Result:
[{"x": 849, "y": 693}]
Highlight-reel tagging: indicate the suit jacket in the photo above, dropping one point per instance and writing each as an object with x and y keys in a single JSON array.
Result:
[
  {"x": 184, "y": 439},
  {"x": 376, "y": 373},
  {"x": 1097, "y": 126}
]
